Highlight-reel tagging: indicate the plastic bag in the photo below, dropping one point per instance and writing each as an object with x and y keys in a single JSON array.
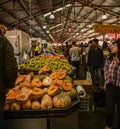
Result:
[
  {"x": 81, "y": 91},
  {"x": 99, "y": 97},
  {"x": 25, "y": 56},
  {"x": 88, "y": 76}
]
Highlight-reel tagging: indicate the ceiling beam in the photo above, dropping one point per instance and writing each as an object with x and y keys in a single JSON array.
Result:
[
  {"x": 12, "y": 15},
  {"x": 44, "y": 22},
  {"x": 6, "y": 2},
  {"x": 22, "y": 20},
  {"x": 68, "y": 15},
  {"x": 79, "y": 12},
  {"x": 4, "y": 23},
  {"x": 21, "y": 3},
  {"x": 101, "y": 7}
]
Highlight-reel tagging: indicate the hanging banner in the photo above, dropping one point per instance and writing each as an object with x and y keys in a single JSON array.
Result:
[
  {"x": 100, "y": 28},
  {"x": 114, "y": 35}
]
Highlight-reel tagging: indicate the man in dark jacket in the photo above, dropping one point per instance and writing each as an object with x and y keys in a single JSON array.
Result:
[
  {"x": 95, "y": 62},
  {"x": 8, "y": 69}
]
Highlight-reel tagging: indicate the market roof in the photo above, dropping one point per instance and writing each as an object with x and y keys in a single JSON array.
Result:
[{"x": 73, "y": 18}]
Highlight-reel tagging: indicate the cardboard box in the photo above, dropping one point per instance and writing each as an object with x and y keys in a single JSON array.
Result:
[{"x": 81, "y": 82}]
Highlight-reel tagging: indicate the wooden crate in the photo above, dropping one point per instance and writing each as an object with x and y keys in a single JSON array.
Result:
[{"x": 86, "y": 84}]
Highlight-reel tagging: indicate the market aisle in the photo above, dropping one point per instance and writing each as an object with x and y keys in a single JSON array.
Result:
[
  {"x": 90, "y": 120},
  {"x": 25, "y": 124}
]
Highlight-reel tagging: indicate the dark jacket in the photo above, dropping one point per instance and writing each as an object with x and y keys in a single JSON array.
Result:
[
  {"x": 8, "y": 68},
  {"x": 95, "y": 57}
]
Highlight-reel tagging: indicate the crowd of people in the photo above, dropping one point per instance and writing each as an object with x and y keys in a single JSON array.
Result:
[
  {"x": 90, "y": 55},
  {"x": 105, "y": 71}
]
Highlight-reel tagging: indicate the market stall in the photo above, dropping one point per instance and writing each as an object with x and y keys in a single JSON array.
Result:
[{"x": 44, "y": 89}]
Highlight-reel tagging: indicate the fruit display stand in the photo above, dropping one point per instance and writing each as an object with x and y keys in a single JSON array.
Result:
[
  {"x": 47, "y": 114},
  {"x": 53, "y": 62},
  {"x": 32, "y": 82},
  {"x": 55, "y": 112}
]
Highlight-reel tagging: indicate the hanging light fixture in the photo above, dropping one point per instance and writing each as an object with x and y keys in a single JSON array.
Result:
[
  {"x": 52, "y": 16},
  {"x": 77, "y": 33},
  {"x": 70, "y": 29},
  {"x": 48, "y": 31},
  {"x": 44, "y": 27},
  {"x": 104, "y": 16},
  {"x": 90, "y": 25}
]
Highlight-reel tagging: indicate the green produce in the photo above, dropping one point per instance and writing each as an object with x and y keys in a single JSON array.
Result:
[{"x": 54, "y": 63}]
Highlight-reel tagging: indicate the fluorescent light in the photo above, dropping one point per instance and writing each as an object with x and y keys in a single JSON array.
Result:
[
  {"x": 56, "y": 26},
  {"x": 47, "y": 14},
  {"x": 12, "y": 36},
  {"x": 57, "y": 31},
  {"x": 68, "y": 5},
  {"x": 57, "y": 10},
  {"x": 51, "y": 37}
]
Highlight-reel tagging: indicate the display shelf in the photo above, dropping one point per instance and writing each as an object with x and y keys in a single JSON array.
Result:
[{"x": 42, "y": 113}]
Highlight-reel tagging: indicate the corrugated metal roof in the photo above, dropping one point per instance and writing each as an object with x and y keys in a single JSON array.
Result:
[{"x": 78, "y": 14}]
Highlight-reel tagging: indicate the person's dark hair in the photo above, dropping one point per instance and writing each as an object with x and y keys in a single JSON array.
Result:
[
  {"x": 90, "y": 42},
  {"x": 105, "y": 45},
  {"x": 74, "y": 42},
  {"x": 66, "y": 43},
  {"x": 118, "y": 53},
  {"x": 0, "y": 32},
  {"x": 95, "y": 40}
]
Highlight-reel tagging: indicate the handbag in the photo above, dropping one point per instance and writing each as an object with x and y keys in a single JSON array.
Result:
[{"x": 99, "y": 97}]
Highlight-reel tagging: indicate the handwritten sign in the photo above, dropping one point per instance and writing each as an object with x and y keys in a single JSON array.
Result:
[{"x": 100, "y": 28}]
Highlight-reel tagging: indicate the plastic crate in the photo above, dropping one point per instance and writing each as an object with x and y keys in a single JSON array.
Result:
[{"x": 85, "y": 103}]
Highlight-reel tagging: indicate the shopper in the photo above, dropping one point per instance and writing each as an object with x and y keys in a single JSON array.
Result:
[
  {"x": 37, "y": 49},
  {"x": 74, "y": 54},
  {"x": 8, "y": 69},
  {"x": 95, "y": 64},
  {"x": 112, "y": 83},
  {"x": 68, "y": 46},
  {"x": 105, "y": 49},
  {"x": 86, "y": 50}
]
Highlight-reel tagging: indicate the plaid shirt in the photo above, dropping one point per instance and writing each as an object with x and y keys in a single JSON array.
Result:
[{"x": 112, "y": 72}]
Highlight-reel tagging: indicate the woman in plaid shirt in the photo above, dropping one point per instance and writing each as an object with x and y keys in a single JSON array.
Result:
[{"x": 112, "y": 83}]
